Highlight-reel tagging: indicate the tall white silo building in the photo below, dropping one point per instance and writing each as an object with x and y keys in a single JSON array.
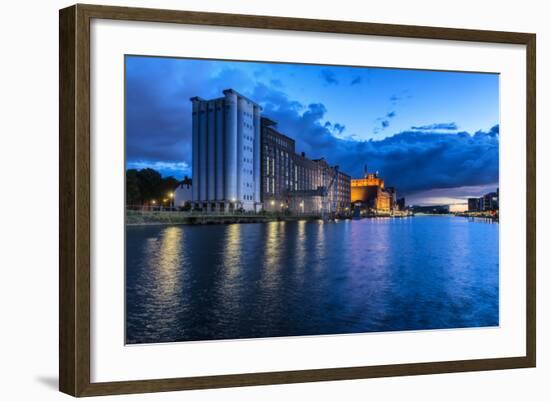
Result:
[{"x": 226, "y": 153}]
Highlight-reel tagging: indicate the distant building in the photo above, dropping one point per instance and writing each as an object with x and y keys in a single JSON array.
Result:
[
  {"x": 400, "y": 204},
  {"x": 369, "y": 192},
  {"x": 365, "y": 190},
  {"x": 226, "y": 153},
  {"x": 473, "y": 204},
  {"x": 487, "y": 203},
  {"x": 183, "y": 193},
  {"x": 393, "y": 194},
  {"x": 383, "y": 201}
]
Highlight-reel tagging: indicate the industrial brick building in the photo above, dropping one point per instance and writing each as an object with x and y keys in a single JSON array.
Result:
[{"x": 296, "y": 183}]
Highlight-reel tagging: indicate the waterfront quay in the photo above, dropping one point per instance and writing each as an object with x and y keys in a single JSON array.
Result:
[{"x": 138, "y": 217}]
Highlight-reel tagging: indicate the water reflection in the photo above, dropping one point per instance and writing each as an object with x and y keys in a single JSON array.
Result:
[
  {"x": 160, "y": 279},
  {"x": 306, "y": 278}
]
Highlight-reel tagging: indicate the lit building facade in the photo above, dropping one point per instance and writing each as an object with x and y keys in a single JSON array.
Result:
[
  {"x": 293, "y": 182},
  {"x": 343, "y": 192},
  {"x": 279, "y": 170},
  {"x": 367, "y": 189},
  {"x": 369, "y": 192},
  {"x": 226, "y": 153}
]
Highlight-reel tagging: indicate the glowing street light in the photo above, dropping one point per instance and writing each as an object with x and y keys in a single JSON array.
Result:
[{"x": 171, "y": 197}]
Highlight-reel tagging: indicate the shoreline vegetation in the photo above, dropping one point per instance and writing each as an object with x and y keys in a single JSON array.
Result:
[{"x": 167, "y": 217}]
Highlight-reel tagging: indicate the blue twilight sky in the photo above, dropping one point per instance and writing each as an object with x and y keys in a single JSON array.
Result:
[{"x": 432, "y": 135}]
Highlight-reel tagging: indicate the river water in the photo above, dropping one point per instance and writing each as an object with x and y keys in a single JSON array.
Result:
[{"x": 205, "y": 282}]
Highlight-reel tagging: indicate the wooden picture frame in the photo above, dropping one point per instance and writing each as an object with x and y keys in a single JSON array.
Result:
[{"x": 74, "y": 199}]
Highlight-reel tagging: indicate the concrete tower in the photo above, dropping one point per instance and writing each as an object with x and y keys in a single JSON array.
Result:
[{"x": 226, "y": 153}]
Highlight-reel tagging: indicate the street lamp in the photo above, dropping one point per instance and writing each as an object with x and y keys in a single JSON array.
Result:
[{"x": 171, "y": 196}]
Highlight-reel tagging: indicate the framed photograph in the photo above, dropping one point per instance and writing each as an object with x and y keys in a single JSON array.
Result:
[{"x": 250, "y": 200}]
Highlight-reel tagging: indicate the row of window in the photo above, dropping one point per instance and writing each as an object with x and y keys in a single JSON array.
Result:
[{"x": 280, "y": 142}]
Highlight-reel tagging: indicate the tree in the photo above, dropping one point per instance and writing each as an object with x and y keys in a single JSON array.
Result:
[
  {"x": 169, "y": 184},
  {"x": 150, "y": 184},
  {"x": 146, "y": 185},
  {"x": 133, "y": 193}
]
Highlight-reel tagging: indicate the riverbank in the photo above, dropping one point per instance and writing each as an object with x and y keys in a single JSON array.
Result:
[
  {"x": 134, "y": 217},
  {"x": 146, "y": 217},
  {"x": 479, "y": 215}
]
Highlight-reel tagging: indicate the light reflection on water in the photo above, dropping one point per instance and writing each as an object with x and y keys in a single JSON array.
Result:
[{"x": 307, "y": 278}]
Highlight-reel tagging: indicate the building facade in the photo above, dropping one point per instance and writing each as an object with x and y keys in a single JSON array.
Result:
[
  {"x": 369, "y": 192},
  {"x": 400, "y": 204},
  {"x": 486, "y": 203},
  {"x": 343, "y": 192},
  {"x": 366, "y": 190},
  {"x": 293, "y": 182},
  {"x": 226, "y": 153},
  {"x": 473, "y": 204},
  {"x": 279, "y": 171}
]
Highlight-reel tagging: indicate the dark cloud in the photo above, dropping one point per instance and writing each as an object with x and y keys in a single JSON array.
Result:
[
  {"x": 437, "y": 126},
  {"x": 156, "y": 126},
  {"x": 277, "y": 83},
  {"x": 397, "y": 98},
  {"x": 394, "y": 98},
  {"x": 158, "y": 121},
  {"x": 329, "y": 77},
  {"x": 336, "y": 129},
  {"x": 411, "y": 161},
  {"x": 356, "y": 81},
  {"x": 384, "y": 122},
  {"x": 158, "y": 110}
]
